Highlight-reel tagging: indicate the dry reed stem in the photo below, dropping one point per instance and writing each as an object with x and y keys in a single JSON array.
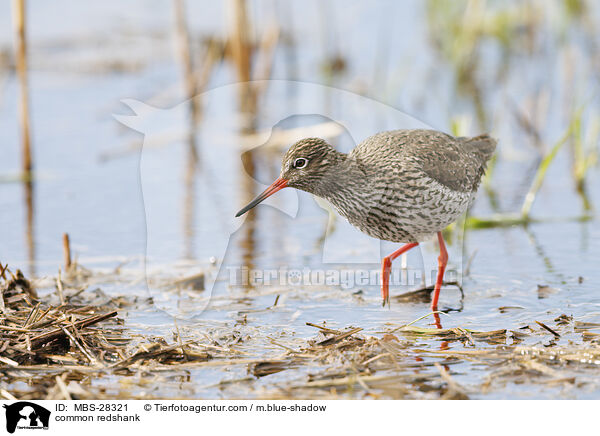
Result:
[
  {"x": 7, "y": 395},
  {"x": 452, "y": 385},
  {"x": 40, "y": 340},
  {"x": 265, "y": 61},
  {"x": 67, "y": 252},
  {"x": 61, "y": 387},
  {"x": 240, "y": 48},
  {"x": 545, "y": 327},
  {"x": 185, "y": 55},
  {"x": 59, "y": 288},
  {"x": 19, "y": 23}
]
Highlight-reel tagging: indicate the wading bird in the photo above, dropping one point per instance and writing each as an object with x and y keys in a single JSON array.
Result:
[{"x": 401, "y": 186}]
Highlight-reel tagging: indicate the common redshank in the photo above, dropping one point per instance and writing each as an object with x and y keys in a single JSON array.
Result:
[{"x": 400, "y": 185}]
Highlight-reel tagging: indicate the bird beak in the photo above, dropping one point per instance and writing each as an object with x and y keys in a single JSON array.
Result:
[{"x": 276, "y": 186}]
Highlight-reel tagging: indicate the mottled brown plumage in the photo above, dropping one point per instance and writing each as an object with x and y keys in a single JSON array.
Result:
[{"x": 399, "y": 185}]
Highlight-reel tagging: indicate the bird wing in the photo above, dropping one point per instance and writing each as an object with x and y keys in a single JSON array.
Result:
[{"x": 457, "y": 163}]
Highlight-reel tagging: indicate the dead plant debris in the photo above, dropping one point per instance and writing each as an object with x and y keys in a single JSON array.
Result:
[{"x": 80, "y": 349}]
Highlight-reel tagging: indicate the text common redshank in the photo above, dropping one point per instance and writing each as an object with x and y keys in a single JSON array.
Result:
[{"x": 400, "y": 185}]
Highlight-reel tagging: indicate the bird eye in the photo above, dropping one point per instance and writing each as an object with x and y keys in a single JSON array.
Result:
[{"x": 300, "y": 163}]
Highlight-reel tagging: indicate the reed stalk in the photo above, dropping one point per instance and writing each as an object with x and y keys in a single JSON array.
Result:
[{"x": 19, "y": 20}]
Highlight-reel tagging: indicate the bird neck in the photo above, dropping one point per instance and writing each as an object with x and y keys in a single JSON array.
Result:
[{"x": 346, "y": 180}]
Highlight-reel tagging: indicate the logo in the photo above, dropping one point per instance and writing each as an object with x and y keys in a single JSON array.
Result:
[{"x": 26, "y": 415}]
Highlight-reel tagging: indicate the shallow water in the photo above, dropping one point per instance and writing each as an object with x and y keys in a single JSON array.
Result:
[{"x": 120, "y": 203}]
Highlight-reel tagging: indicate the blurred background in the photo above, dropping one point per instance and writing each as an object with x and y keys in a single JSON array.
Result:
[{"x": 211, "y": 80}]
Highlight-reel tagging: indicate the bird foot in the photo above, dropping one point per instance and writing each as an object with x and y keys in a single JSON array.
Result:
[{"x": 386, "y": 301}]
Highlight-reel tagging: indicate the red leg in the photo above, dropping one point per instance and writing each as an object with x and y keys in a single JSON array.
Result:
[
  {"x": 442, "y": 262},
  {"x": 386, "y": 266}
]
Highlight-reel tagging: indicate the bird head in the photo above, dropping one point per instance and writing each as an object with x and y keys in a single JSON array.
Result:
[{"x": 304, "y": 165}]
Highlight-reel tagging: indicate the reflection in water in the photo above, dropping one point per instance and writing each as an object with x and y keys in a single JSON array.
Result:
[
  {"x": 194, "y": 114},
  {"x": 247, "y": 105},
  {"x": 29, "y": 229},
  {"x": 541, "y": 252},
  {"x": 241, "y": 50},
  {"x": 189, "y": 196},
  {"x": 248, "y": 243}
]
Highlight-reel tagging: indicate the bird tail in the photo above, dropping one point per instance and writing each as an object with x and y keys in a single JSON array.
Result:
[{"x": 482, "y": 145}]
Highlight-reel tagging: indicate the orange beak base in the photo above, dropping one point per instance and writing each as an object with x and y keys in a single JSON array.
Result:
[{"x": 277, "y": 185}]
